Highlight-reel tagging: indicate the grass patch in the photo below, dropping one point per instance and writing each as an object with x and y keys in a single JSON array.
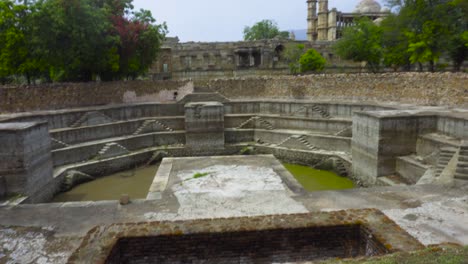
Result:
[
  {"x": 200, "y": 175},
  {"x": 430, "y": 255}
]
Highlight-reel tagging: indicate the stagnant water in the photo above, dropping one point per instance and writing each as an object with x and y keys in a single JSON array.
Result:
[
  {"x": 318, "y": 180},
  {"x": 134, "y": 182}
]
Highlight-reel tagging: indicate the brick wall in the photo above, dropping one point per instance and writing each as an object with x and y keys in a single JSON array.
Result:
[{"x": 268, "y": 246}]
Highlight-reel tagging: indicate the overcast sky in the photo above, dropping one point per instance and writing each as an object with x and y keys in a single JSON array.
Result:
[{"x": 222, "y": 20}]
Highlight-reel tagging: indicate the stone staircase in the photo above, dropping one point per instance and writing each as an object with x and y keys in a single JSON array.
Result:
[
  {"x": 265, "y": 124},
  {"x": 150, "y": 122},
  {"x": 94, "y": 117},
  {"x": 462, "y": 167},
  {"x": 315, "y": 108},
  {"x": 302, "y": 139},
  {"x": 111, "y": 150},
  {"x": 262, "y": 123},
  {"x": 306, "y": 143},
  {"x": 341, "y": 168},
  {"x": 248, "y": 121},
  {"x": 347, "y": 132},
  {"x": 56, "y": 144},
  {"x": 204, "y": 94},
  {"x": 445, "y": 156}
]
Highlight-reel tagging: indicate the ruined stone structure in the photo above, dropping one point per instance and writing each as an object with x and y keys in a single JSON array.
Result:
[
  {"x": 324, "y": 24},
  {"x": 205, "y": 60}
]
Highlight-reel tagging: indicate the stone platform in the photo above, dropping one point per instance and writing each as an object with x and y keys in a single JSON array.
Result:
[{"x": 223, "y": 184}]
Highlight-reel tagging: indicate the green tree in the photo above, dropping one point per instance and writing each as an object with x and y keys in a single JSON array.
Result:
[
  {"x": 77, "y": 40},
  {"x": 312, "y": 61},
  {"x": 13, "y": 49},
  {"x": 265, "y": 29},
  {"x": 395, "y": 43},
  {"x": 292, "y": 54},
  {"x": 362, "y": 43},
  {"x": 431, "y": 29}
]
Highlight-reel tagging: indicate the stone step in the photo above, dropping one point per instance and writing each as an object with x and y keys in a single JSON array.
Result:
[
  {"x": 463, "y": 158},
  {"x": 463, "y": 176},
  {"x": 462, "y": 170}
]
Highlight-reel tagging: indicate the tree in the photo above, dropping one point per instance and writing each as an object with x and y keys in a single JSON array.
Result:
[
  {"x": 430, "y": 29},
  {"x": 77, "y": 40},
  {"x": 395, "y": 43},
  {"x": 13, "y": 50},
  {"x": 265, "y": 29},
  {"x": 312, "y": 61},
  {"x": 292, "y": 54},
  {"x": 362, "y": 43}
]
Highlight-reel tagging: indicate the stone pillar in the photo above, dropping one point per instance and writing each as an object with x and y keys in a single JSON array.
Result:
[
  {"x": 379, "y": 138},
  {"x": 322, "y": 27},
  {"x": 332, "y": 24},
  {"x": 26, "y": 161},
  {"x": 251, "y": 59},
  {"x": 204, "y": 126},
  {"x": 311, "y": 19}
]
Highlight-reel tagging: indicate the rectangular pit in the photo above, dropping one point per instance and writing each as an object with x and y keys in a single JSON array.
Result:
[{"x": 267, "y": 246}]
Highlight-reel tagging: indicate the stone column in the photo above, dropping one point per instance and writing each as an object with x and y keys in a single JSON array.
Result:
[
  {"x": 251, "y": 58},
  {"x": 311, "y": 19},
  {"x": 332, "y": 24},
  {"x": 204, "y": 126},
  {"x": 26, "y": 161},
  {"x": 322, "y": 27}
]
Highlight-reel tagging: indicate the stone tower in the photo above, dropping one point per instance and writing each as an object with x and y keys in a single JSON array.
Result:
[
  {"x": 322, "y": 27},
  {"x": 311, "y": 20}
]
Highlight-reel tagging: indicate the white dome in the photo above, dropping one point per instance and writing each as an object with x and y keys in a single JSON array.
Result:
[{"x": 368, "y": 6}]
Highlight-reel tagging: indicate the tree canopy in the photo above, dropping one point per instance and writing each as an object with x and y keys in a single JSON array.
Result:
[
  {"x": 420, "y": 32},
  {"x": 76, "y": 40},
  {"x": 265, "y": 29},
  {"x": 362, "y": 43},
  {"x": 312, "y": 61}
]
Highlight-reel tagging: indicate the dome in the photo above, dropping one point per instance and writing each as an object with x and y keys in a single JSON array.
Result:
[{"x": 368, "y": 6}]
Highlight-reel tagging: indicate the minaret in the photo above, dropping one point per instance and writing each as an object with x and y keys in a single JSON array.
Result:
[
  {"x": 332, "y": 24},
  {"x": 311, "y": 19},
  {"x": 322, "y": 27}
]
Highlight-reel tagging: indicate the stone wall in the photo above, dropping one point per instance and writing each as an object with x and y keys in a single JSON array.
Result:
[
  {"x": 73, "y": 95},
  {"x": 416, "y": 88}
]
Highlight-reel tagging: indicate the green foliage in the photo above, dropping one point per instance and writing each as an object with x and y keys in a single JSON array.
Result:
[
  {"x": 362, "y": 43},
  {"x": 265, "y": 29},
  {"x": 292, "y": 54},
  {"x": 312, "y": 61},
  {"x": 248, "y": 150},
  {"x": 200, "y": 175},
  {"x": 77, "y": 40},
  {"x": 426, "y": 30},
  {"x": 430, "y": 255}
]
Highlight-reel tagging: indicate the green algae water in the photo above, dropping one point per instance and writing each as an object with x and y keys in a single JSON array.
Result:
[
  {"x": 135, "y": 183},
  {"x": 318, "y": 180}
]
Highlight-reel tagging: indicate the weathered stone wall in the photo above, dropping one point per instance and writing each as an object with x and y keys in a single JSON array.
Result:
[
  {"x": 416, "y": 88},
  {"x": 73, "y": 95}
]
